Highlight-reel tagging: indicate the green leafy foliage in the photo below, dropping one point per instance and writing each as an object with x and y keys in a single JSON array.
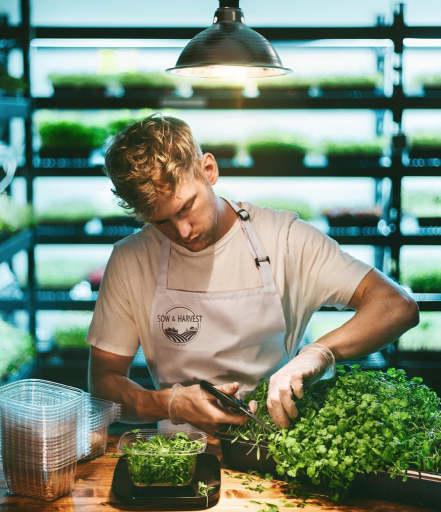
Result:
[
  {"x": 252, "y": 429},
  {"x": 62, "y": 274},
  {"x": 285, "y": 82},
  {"x": 147, "y": 80},
  {"x": 162, "y": 460},
  {"x": 331, "y": 82},
  {"x": 425, "y": 140},
  {"x": 14, "y": 217},
  {"x": 348, "y": 81},
  {"x": 352, "y": 149},
  {"x": 77, "y": 212},
  {"x": 277, "y": 144},
  {"x": 72, "y": 330},
  {"x": 119, "y": 124},
  {"x": 424, "y": 280},
  {"x": 127, "y": 117},
  {"x": 69, "y": 134},
  {"x": 11, "y": 84},
  {"x": 80, "y": 81},
  {"x": 357, "y": 422},
  {"x": 16, "y": 348},
  {"x": 426, "y": 336},
  {"x": 429, "y": 80},
  {"x": 422, "y": 203},
  {"x": 127, "y": 79},
  {"x": 71, "y": 211},
  {"x": 219, "y": 146}
]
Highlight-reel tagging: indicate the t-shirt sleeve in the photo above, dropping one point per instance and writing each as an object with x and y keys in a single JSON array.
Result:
[
  {"x": 327, "y": 275},
  {"x": 113, "y": 327}
]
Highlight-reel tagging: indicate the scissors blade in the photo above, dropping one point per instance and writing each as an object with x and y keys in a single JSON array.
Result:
[{"x": 259, "y": 421}]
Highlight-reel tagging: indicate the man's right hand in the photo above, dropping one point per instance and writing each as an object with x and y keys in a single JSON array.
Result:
[{"x": 196, "y": 406}]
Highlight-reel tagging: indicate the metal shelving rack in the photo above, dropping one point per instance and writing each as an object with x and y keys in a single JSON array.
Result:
[
  {"x": 396, "y": 103},
  {"x": 12, "y": 107}
]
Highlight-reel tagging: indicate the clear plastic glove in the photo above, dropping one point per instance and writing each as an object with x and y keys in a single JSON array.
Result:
[
  {"x": 194, "y": 405},
  {"x": 313, "y": 363}
]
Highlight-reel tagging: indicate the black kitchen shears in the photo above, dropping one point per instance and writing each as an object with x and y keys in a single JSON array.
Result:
[{"x": 233, "y": 403}]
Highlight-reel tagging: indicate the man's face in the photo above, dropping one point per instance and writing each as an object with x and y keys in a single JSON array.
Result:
[{"x": 189, "y": 217}]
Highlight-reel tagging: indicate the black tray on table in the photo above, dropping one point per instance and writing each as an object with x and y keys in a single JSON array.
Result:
[
  {"x": 421, "y": 489},
  {"x": 244, "y": 455},
  {"x": 170, "y": 497}
]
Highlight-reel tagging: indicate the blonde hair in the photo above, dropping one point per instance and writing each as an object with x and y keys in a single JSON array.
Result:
[{"x": 152, "y": 157}]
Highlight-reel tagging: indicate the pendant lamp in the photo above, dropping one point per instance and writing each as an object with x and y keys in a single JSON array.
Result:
[{"x": 229, "y": 49}]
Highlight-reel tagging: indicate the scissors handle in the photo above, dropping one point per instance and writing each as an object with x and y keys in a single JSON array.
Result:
[{"x": 228, "y": 400}]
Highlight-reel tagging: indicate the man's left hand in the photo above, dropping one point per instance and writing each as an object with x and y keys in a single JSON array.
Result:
[{"x": 313, "y": 363}]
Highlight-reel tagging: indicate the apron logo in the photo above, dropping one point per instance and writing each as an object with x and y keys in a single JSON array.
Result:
[{"x": 180, "y": 324}]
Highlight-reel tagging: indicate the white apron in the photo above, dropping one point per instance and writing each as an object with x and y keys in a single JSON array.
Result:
[{"x": 220, "y": 337}]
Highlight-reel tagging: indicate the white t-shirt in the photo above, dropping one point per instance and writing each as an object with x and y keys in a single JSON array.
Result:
[{"x": 309, "y": 269}]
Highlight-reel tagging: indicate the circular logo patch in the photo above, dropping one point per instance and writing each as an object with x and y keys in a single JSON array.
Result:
[{"x": 180, "y": 324}]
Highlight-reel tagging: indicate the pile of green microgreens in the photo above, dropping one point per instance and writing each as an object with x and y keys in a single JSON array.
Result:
[
  {"x": 162, "y": 460},
  {"x": 357, "y": 422}
]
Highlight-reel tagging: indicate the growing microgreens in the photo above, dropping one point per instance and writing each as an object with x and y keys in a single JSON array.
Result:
[
  {"x": 204, "y": 490},
  {"x": 161, "y": 460},
  {"x": 357, "y": 422}
]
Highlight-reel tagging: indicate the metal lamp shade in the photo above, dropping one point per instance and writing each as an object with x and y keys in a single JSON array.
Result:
[{"x": 229, "y": 49}]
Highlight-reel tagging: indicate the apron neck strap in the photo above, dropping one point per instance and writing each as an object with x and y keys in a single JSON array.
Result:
[
  {"x": 164, "y": 257},
  {"x": 255, "y": 247}
]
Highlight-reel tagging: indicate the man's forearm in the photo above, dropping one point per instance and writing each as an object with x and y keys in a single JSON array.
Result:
[
  {"x": 139, "y": 405},
  {"x": 382, "y": 317}
]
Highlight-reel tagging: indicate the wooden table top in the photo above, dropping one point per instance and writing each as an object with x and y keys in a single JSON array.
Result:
[{"x": 92, "y": 493}]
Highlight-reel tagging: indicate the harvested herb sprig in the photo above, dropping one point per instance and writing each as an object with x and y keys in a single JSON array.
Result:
[
  {"x": 204, "y": 490},
  {"x": 162, "y": 460}
]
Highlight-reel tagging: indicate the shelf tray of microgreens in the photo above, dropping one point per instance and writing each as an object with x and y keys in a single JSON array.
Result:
[{"x": 362, "y": 434}]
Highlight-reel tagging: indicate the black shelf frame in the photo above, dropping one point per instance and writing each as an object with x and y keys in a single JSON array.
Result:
[
  {"x": 22, "y": 106},
  {"x": 242, "y": 103},
  {"x": 399, "y": 170},
  {"x": 394, "y": 32},
  {"x": 344, "y": 236}
]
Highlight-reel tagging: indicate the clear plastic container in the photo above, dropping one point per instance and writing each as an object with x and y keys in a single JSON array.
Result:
[
  {"x": 45, "y": 429},
  {"x": 162, "y": 457},
  {"x": 45, "y": 484},
  {"x": 102, "y": 414}
]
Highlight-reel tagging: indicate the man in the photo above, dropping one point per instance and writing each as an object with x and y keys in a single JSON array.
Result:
[{"x": 221, "y": 291}]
